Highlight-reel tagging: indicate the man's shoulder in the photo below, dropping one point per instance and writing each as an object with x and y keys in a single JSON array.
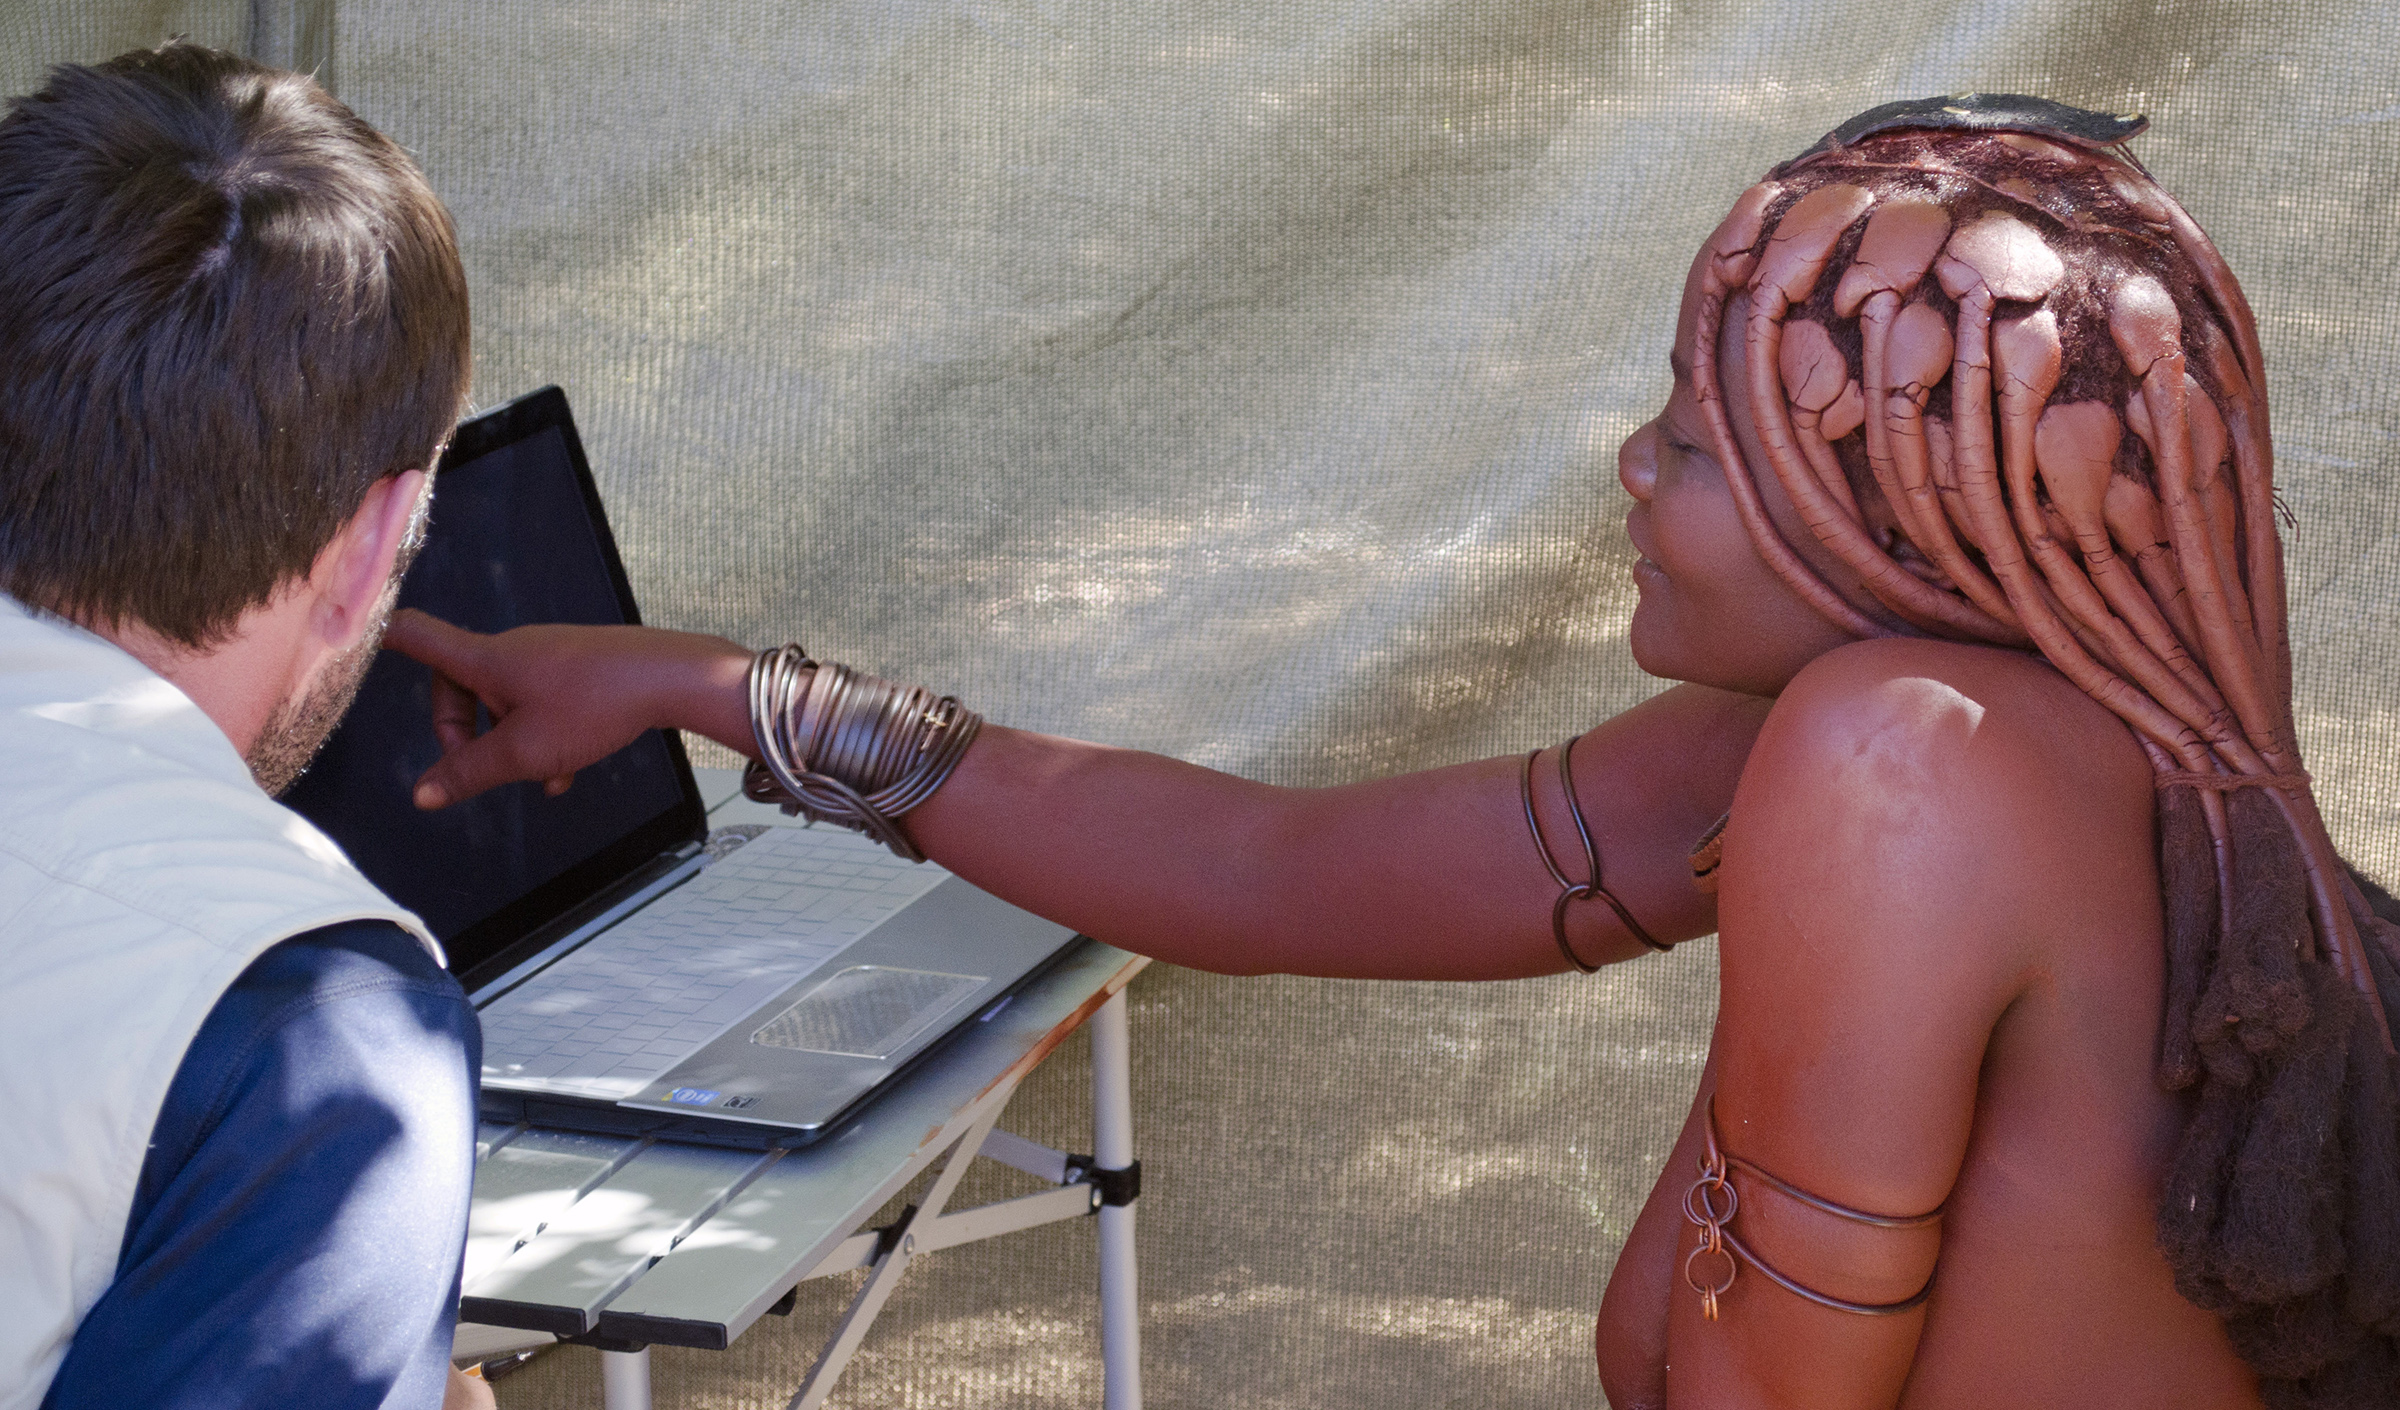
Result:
[
  {"x": 316, "y": 1004},
  {"x": 305, "y": 1191},
  {"x": 343, "y": 958},
  {"x": 362, "y": 963}
]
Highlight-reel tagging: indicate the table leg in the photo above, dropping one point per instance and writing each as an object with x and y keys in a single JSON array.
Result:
[
  {"x": 625, "y": 1379},
  {"x": 1112, "y": 1149},
  {"x": 868, "y": 1303}
]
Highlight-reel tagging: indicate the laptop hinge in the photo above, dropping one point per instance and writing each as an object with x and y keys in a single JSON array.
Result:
[{"x": 665, "y": 871}]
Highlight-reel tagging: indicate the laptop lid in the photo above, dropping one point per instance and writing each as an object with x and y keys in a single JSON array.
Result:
[{"x": 517, "y": 537}]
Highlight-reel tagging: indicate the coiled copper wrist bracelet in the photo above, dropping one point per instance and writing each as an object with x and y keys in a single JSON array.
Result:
[{"x": 840, "y": 746}]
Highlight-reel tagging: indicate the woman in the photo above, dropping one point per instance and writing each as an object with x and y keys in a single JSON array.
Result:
[{"x": 2051, "y": 1064}]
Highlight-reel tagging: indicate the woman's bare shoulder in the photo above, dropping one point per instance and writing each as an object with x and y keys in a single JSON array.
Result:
[
  {"x": 1949, "y": 779},
  {"x": 1946, "y": 723}
]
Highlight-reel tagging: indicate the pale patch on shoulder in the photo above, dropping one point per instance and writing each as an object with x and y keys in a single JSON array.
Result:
[
  {"x": 1897, "y": 708},
  {"x": 1917, "y": 747},
  {"x": 1882, "y": 826}
]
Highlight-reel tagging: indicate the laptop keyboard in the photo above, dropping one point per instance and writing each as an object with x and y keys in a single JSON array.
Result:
[{"x": 638, "y": 998}]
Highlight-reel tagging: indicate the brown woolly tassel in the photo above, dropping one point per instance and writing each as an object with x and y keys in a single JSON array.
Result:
[
  {"x": 2248, "y": 1215},
  {"x": 2291, "y": 1341},
  {"x": 2255, "y": 1002},
  {"x": 2187, "y": 871},
  {"x": 2296, "y": 1241},
  {"x": 2281, "y": 1235},
  {"x": 2193, "y": 1194},
  {"x": 2381, "y": 902},
  {"x": 2382, "y": 937},
  {"x": 2371, "y": 1133},
  {"x": 2367, "y": 1379},
  {"x": 2371, "y": 1142}
]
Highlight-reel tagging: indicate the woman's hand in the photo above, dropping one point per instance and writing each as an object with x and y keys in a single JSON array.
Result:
[{"x": 561, "y": 698}]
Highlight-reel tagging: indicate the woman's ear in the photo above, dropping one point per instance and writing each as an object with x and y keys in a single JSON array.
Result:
[
  {"x": 353, "y": 574},
  {"x": 1883, "y": 526}
]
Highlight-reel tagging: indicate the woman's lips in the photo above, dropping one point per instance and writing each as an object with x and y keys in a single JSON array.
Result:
[{"x": 1637, "y": 528}]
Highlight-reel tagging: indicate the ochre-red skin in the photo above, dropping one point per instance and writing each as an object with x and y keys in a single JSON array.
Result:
[
  {"x": 1941, "y": 964},
  {"x": 2199, "y": 681}
]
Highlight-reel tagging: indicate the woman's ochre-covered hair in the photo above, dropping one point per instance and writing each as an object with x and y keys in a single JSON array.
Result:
[{"x": 2009, "y": 382}]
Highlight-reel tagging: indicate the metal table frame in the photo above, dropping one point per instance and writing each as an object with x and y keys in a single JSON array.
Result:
[{"x": 623, "y": 1244}]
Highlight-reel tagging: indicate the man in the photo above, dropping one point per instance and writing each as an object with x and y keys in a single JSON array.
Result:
[{"x": 238, "y": 1120}]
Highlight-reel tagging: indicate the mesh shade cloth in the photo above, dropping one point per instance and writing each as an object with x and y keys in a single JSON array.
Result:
[{"x": 1242, "y": 380}]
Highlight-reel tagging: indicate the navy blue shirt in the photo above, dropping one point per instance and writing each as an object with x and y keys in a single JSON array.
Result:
[{"x": 295, "y": 1239}]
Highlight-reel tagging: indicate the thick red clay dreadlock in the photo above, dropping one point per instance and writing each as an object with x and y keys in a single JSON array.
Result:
[{"x": 2009, "y": 303}]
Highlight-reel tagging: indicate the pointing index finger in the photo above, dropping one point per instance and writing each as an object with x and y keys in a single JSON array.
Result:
[{"x": 428, "y": 639}]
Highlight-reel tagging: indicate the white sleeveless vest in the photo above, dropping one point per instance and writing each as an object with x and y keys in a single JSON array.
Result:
[{"x": 141, "y": 871}]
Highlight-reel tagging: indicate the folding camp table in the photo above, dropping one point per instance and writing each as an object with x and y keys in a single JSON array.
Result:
[{"x": 624, "y": 1244}]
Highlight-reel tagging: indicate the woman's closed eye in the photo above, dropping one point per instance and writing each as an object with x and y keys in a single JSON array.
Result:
[{"x": 1678, "y": 447}]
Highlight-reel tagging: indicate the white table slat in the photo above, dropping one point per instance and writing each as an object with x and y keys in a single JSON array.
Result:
[
  {"x": 493, "y": 1133},
  {"x": 591, "y": 1251},
  {"x": 524, "y": 1185},
  {"x": 688, "y": 1245}
]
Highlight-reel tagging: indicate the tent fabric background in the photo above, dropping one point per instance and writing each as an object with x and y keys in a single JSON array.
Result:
[{"x": 1242, "y": 380}]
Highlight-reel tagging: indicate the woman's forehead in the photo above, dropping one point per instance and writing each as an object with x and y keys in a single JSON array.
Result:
[{"x": 1687, "y": 317}]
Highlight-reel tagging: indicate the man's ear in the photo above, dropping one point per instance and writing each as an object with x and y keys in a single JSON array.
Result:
[{"x": 351, "y": 573}]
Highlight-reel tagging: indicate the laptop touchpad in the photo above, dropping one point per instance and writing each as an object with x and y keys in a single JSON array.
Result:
[{"x": 866, "y": 1011}]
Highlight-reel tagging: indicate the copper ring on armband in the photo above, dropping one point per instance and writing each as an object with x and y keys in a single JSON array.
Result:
[{"x": 1701, "y": 1208}]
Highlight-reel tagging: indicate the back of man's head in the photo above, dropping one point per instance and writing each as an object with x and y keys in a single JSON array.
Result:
[{"x": 227, "y": 308}]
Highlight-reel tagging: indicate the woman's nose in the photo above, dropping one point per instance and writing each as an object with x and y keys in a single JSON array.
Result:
[{"x": 1637, "y": 462}]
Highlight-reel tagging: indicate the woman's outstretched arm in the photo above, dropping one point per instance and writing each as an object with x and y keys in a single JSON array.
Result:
[{"x": 1425, "y": 876}]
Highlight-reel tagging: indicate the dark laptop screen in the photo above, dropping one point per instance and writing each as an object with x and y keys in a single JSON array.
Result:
[{"x": 516, "y": 538}]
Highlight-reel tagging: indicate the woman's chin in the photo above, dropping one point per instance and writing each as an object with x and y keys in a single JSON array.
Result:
[
  {"x": 1666, "y": 649},
  {"x": 1653, "y": 641}
]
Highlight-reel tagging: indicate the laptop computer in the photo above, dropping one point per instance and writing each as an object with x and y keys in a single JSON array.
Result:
[{"x": 630, "y": 979}]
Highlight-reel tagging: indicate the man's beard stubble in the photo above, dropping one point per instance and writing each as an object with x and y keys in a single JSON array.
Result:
[{"x": 288, "y": 743}]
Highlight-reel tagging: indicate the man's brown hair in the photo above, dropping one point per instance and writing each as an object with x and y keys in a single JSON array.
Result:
[{"x": 227, "y": 308}]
